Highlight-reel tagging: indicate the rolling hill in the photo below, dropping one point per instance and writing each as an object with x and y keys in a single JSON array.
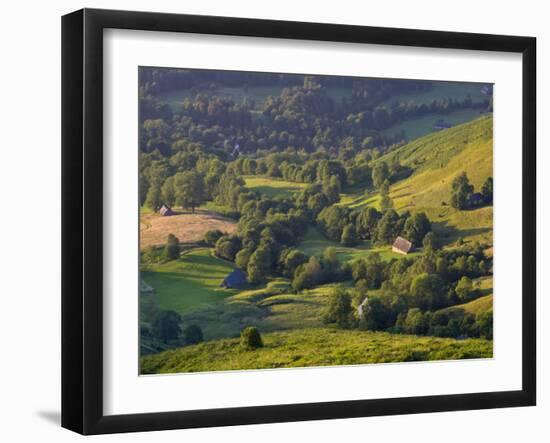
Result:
[
  {"x": 436, "y": 160},
  {"x": 313, "y": 347},
  {"x": 191, "y": 282}
]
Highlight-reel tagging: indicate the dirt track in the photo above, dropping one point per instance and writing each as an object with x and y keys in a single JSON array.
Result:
[{"x": 187, "y": 227}]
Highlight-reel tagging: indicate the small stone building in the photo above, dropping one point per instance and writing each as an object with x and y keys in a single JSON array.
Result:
[
  {"x": 236, "y": 279},
  {"x": 166, "y": 211},
  {"x": 442, "y": 124},
  {"x": 401, "y": 246},
  {"x": 144, "y": 288},
  {"x": 361, "y": 307}
]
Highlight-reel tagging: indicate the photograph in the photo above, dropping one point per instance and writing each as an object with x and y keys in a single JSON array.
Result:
[{"x": 296, "y": 220}]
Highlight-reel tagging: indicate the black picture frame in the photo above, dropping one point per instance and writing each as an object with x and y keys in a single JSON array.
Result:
[{"x": 82, "y": 215}]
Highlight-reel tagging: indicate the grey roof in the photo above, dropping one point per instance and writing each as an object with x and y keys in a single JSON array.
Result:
[
  {"x": 235, "y": 279},
  {"x": 165, "y": 210},
  {"x": 402, "y": 244}
]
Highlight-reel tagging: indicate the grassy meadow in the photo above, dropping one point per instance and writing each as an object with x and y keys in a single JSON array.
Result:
[
  {"x": 440, "y": 91},
  {"x": 437, "y": 159},
  {"x": 190, "y": 282},
  {"x": 273, "y": 187},
  {"x": 420, "y": 126},
  {"x": 314, "y": 243},
  {"x": 314, "y": 347},
  {"x": 311, "y": 307}
]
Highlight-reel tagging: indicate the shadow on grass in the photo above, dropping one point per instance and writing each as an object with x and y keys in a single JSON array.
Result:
[{"x": 450, "y": 234}]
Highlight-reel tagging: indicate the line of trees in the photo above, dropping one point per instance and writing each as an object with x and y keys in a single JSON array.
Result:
[
  {"x": 411, "y": 294},
  {"x": 464, "y": 197}
]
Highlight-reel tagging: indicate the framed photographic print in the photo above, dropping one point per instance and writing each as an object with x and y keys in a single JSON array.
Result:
[{"x": 270, "y": 221}]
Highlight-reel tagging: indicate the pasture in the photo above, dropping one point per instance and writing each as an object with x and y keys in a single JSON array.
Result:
[
  {"x": 191, "y": 282},
  {"x": 481, "y": 304},
  {"x": 256, "y": 94},
  {"x": 360, "y": 199},
  {"x": 420, "y": 126},
  {"x": 314, "y": 243},
  {"x": 441, "y": 91},
  {"x": 314, "y": 347},
  {"x": 188, "y": 227},
  {"x": 272, "y": 187},
  {"x": 437, "y": 159},
  {"x": 271, "y": 308},
  {"x": 252, "y": 94}
]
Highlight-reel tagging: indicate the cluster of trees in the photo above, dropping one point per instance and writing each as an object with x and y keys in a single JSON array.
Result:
[
  {"x": 166, "y": 329},
  {"x": 340, "y": 223},
  {"x": 400, "y": 111},
  {"x": 267, "y": 230},
  {"x": 319, "y": 270},
  {"x": 411, "y": 294},
  {"x": 464, "y": 197},
  {"x": 303, "y": 118}
]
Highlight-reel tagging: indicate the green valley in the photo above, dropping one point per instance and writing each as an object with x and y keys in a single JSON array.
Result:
[{"x": 292, "y": 220}]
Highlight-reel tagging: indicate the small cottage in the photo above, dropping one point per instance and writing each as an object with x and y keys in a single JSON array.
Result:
[
  {"x": 442, "y": 124},
  {"x": 165, "y": 211},
  {"x": 361, "y": 307},
  {"x": 144, "y": 288},
  {"x": 236, "y": 279},
  {"x": 236, "y": 151},
  {"x": 401, "y": 246}
]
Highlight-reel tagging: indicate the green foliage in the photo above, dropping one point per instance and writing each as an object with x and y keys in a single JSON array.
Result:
[
  {"x": 388, "y": 227},
  {"x": 192, "y": 335},
  {"x": 487, "y": 190},
  {"x": 428, "y": 292},
  {"x": 189, "y": 189},
  {"x": 251, "y": 338},
  {"x": 367, "y": 222},
  {"x": 153, "y": 255},
  {"x": 166, "y": 326},
  {"x": 484, "y": 322},
  {"x": 332, "y": 220},
  {"x": 416, "y": 228},
  {"x": 380, "y": 173},
  {"x": 339, "y": 309},
  {"x": 349, "y": 236},
  {"x": 465, "y": 290},
  {"x": 242, "y": 258},
  {"x": 290, "y": 260},
  {"x": 172, "y": 249},
  {"x": 259, "y": 265},
  {"x": 301, "y": 348},
  {"x": 154, "y": 197},
  {"x": 415, "y": 322},
  {"x": 369, "y": 270},
  {"x": 227, "y": 247},
  {"x": 307, "y": 275},
  {"x": 211, "y": 237},
  {"x": 168, "y": 192},
  {"x": 461, "y": 190},
  {"x": 306, "y": 149},
  {"x": 376, "y": 316},
  {"x": 430, "y": 244}
]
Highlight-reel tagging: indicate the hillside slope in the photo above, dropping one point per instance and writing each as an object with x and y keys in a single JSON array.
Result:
[
  {"x": 313, "y": 347},
  {"x": 436, "y": 160}
]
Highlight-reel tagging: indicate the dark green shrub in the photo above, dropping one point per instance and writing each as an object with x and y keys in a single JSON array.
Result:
[
  {"x": 251, "y": 338},
  {"x": 167, "y": 325},
  {"x": 192, "y": 335}
]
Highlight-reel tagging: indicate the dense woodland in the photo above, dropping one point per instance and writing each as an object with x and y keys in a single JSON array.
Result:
[{"x": 199, "y": 153}]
